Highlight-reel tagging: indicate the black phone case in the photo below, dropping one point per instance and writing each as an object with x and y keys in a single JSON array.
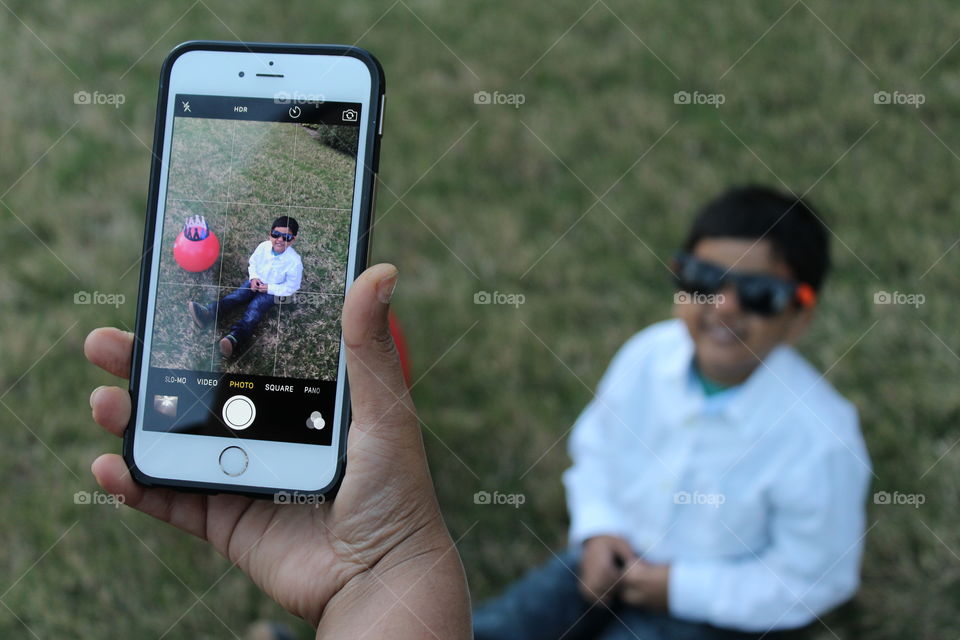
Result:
[{"x": 368, "y": 178}]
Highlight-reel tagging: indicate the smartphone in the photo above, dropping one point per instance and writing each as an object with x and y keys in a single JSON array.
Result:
[{"x": 262, "y": 189}]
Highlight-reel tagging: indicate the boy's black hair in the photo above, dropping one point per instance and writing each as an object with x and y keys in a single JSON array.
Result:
[
  {"x": 798, "y": 235},
  {"x": 288, "y": 222}
]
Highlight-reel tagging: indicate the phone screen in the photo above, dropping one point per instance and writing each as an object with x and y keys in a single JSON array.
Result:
[{"x": 256, "y": 220}]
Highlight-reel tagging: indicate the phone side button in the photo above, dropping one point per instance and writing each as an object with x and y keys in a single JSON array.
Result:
[
  {"x": 383, "y": 102},
  {"x": 373, "y": 214},
  {"x": 233, "y": 461}
]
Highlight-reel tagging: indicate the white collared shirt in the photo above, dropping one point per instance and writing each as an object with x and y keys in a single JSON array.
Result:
[
  {"x": 755, "y": 497},
  {"x": 282, "y": 273}
]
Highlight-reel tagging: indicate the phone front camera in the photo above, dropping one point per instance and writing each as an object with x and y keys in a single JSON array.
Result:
[{"x": 241, "y": 74}]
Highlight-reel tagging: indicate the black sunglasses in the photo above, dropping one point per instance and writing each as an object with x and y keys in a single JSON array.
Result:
[
  {"x": 760, "y": 294},
  {"x": 286, "y": 236}
]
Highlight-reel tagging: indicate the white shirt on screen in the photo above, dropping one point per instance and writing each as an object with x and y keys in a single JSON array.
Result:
[
  {"x": 755, "y": 497},
  {"x": 282, "y": 273}
]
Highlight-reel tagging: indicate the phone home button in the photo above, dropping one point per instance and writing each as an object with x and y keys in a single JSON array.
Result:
[{"x": 233, "y": 461}]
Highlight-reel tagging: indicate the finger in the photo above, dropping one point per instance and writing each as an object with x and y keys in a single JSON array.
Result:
[
  {"x": 587, "y": 584},
  {"x": 623, "y": 548},
  {"x": 111, "y": 408},
  {"x": 378, "y": 393},
  {"x": 632, "y": 595},
  {"x": 599, "y": 575},
  {"x": 110, "y": 349},
  {"x": 636, "y": 570},
  {"x": 612, "y": 575},
  {"x": 186, "y": 511}
]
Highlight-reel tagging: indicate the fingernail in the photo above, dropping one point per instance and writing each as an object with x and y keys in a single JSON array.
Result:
[
  {"x": 94, "y": 393},
  {"x": 386, "y": 287}
]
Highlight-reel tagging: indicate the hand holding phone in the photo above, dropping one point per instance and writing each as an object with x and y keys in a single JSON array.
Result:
[{"x": 383, "y": 539}]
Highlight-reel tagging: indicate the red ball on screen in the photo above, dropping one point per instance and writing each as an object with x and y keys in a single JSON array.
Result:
[{"x": 196, "y": 255}]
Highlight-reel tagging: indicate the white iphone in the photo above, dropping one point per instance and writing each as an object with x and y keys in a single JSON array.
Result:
[{"x": 261, "y": 196}]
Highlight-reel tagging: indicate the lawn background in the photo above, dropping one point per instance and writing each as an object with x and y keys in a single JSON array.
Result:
[{"x": 485, "y": 197}]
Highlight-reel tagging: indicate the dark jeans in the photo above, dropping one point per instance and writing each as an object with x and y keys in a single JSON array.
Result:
[
  {"x": 258, "y": 304},
  {"x": 546, "y": 605}
]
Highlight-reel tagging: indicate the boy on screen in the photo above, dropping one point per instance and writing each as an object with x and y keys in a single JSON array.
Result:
[
  {"x": 718, "y": 485},
  {"x": 275, "y": 270}
]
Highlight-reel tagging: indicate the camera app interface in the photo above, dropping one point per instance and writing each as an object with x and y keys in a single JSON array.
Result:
[{"x": 256, "y": 231}]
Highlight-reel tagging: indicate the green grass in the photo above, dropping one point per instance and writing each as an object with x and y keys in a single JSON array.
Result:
[{"x": 501, "y": 386}]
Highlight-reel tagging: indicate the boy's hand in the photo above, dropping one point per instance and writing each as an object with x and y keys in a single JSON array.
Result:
[
  {"x": 599, "y": 569},
  {"x": 646, "y": 585},
  {"x": 378, "y": 560},
  {"x": 258, "y": 285}
]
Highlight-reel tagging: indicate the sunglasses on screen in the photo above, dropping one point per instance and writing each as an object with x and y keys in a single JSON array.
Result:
[
  {"x": 760, "y": 294},
  {"x": 286, "y": 236}
]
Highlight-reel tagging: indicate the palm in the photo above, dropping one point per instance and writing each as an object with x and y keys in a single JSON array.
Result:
[
  {"x": 298, "y": 554},
  {"x": 279, "y": 547}
]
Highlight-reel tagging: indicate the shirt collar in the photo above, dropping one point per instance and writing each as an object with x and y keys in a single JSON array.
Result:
[
  {"x": 766, "y": 381},
  {"x": 766, "y": 384}
]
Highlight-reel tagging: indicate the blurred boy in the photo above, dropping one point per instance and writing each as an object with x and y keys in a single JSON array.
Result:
[
  {"x": 718, "y": 484},
  {"x": 275, "y": 270}
]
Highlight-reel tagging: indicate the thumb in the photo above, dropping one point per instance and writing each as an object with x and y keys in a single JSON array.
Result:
[{"x": 378, "y": 393}]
